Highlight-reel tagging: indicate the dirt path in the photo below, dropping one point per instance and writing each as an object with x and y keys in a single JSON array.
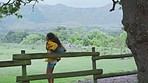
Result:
[{"x": 120, "y": 79}]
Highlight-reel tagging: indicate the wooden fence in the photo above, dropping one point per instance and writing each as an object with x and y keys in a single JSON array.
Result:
[
  {"x": 24, "y": 59},
  {"x": 116, "y": 73}
]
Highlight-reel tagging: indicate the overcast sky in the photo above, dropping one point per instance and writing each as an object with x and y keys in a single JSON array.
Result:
[{"x": 77, "y": 3}]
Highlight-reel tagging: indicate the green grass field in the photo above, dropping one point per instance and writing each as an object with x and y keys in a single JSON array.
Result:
[{"x": 8, "y": 74}]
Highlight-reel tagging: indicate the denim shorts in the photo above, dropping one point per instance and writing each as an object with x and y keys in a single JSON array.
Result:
[{"x": 52, "y": 64}]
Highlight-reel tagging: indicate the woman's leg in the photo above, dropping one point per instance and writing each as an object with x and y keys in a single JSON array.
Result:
[
  {"x": 49, "y": 71},
  {"x": 50, "y": 68}
]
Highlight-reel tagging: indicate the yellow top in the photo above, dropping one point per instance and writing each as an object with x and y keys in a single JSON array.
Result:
[{"x": 50, "y": 45}]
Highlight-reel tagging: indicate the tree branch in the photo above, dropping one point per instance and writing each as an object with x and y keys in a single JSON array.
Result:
[
  {"x": 11, "y": 7},
  {"x": 5, "y": 4},
  {"x": 114, "y": 4}
]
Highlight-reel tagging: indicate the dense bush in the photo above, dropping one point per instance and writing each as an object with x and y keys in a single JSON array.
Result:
[
  {"x": 13, "y": 37},
  {"x": 35, "y": 38},
  {"x": 80, "y": 36}
]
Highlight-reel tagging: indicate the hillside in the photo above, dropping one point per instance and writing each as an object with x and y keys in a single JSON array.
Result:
[{"x": 45, "y": 17}]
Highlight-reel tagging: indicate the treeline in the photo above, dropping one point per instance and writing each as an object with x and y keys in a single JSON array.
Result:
[
  {"x": 13, "y": 37},
  {"x": 22, "y": 38},
  {"x": 74, "y": 36}
]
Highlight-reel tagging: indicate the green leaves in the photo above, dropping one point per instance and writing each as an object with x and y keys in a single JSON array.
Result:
[
  {"x": 35, "y": 38},
  {"x": 13, "y": 6},
  {"x": 7, "y": 9},
  {"x": 95, "y": 37},
  {"x": 13, "y": 37}
]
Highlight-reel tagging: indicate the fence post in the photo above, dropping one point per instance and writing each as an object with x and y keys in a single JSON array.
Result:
[
  {"x": 94, "y": 65},
  {"x": 24, "y": 71}
]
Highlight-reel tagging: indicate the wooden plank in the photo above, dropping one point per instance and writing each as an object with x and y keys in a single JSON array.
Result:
[
  {"x": 54, "y": 55},
  {"x": 116, "y": 74},
  {"x": 94, "y": 65},
  {"x": 59, "y": 75},
  {"x": 93, "y": 61},
  {"x": 14, "y": 63},
  {"x": 24, "y": 71},
  {"x": 112, "y": 56},
  {"x": 24, "y": 68}
]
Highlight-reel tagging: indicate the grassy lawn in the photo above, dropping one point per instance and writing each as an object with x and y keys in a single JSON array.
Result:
[{"x": 8, "y": 75}]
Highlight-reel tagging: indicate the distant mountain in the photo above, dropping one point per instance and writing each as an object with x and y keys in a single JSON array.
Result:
[{"x": 47, "y": 16}]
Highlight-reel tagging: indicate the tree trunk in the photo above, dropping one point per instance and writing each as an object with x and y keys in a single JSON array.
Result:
[{"x": 135, "y": 21}]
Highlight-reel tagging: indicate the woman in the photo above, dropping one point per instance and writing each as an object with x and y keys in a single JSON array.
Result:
[{"x": 53, "y": 45}]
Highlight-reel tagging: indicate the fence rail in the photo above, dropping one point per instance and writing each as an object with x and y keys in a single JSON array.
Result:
[
  {"x": 14, "y": 63},
  {"x": 57, "y": 55},
  {"x": 59, "y": 75},
  {"x": 112, "y": 56},
  {"x": 24, "y": 59}
]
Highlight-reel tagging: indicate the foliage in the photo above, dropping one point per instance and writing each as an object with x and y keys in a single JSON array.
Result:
[
  {"x": 80, "y": 36},
  {"x": 70, "y": 35},
  {"x": 121, "y": 40},
  {"x": 34, "y": 39},
  {"x": 13, "y": 37},
  {"x": 12, "y": 7},
  {"x": 97, "y": 38},
  {"x": 77, "y": 36}
]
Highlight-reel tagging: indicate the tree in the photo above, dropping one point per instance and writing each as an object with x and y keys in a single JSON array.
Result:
[
  {"x": 11, "y": 7},
  {"x": 135, "y": 18},
  {"x": 34, "y": 39},
  {"x": 121, "y": 40},
  {"x": 14, "y": 37}
]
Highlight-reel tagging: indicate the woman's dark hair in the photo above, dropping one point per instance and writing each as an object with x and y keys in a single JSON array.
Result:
[{"x": 55, "y": 39}]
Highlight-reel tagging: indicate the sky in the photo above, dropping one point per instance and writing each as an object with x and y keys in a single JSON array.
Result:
[{"x": 77, "y": 3}]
